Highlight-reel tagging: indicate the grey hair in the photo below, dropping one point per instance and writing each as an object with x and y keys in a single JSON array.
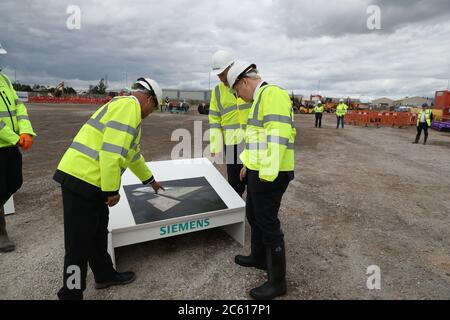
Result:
[
  {"x": 137, "y": 87},
  {"x": 254, "y": 74}
]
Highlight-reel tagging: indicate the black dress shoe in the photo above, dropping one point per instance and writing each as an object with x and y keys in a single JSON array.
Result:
[{"x": 120, "y": 278}]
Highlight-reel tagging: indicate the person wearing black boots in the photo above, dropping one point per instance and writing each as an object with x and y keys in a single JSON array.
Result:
[
  {"x": 424, "y": 119},
  {"x": 268, "y": 160}
]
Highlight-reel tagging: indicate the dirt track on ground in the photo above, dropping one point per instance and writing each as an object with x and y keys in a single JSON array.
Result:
[{"x": 361, "y": 197}]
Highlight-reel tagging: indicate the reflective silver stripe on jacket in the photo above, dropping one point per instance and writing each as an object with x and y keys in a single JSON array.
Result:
[
  {"x": 214, "y": 125},
  {"x": 255, "y": 122},
  {"x": 228, "y": 110},
  {"x": 85, "y": 150},
  {"x": 95, "y": 122},
  {"x": 114, "y": 149},
  {"x": 231, "y": 127},
  {"x": 5, "y": 114},
  {"x": 214, "y": 113},
  {"x": 22, "y": 118},
  {"x": 256, "y": 146},
  {"x": 121, "y": 127},
  {"x": 245, "y": 106},
  {"x": 133, "y": 144},
  {"x": 219, "y": 104},
  {"x": 277, "y": 118},
  {"x": 136, "y": 157},
  {"x": 281, "y": 141},
  {"x": 2, "y": 125},
  {"x": 256, "y": 111}
]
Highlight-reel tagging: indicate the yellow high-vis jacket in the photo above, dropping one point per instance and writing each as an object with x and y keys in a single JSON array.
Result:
[
  {"x": 341, "y": 109},
  {"x": 318, "y": 109},
  {"x": 427, "y": 117},
  {"x": 227, "y": 118},
  {"x": 270, "y": 133},
  {"x": 14, "y": 119},
  {"x": 107, "y": 145}
]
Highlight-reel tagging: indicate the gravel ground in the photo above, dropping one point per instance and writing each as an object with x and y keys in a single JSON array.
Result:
[{"x": 361, "y": 197}]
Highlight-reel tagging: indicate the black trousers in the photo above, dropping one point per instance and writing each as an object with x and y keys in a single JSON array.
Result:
[
  {"x": 86, "y": 237},
  {"x": 341, "y": 120},
  {"x": 10, "y": 172},
  {"x": 318, "y": 119},
  {"x": 234, "y": 166},
  {"x": 263, "y": 203},
  {"x": 422, "y": 126}
]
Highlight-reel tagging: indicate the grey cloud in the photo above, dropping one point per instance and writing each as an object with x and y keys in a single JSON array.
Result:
[
  {"x": 294, "y": 43},
  {"x": 303, "y": 18}
]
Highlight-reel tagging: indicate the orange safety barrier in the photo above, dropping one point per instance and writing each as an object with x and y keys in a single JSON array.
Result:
[
  {"x": 383, "y": 118},
  {"x": 349, "y": 118},
  {"x": 375, "y": 118},
  {"x": 402, "y": 119},
  {"x": 365, "y": 119},
  {"x": 391, "y": 118},
  {"x": 384, "y": 121},
  {"x": 69, "y": 100},
  {"x": 413, "y": 119}
]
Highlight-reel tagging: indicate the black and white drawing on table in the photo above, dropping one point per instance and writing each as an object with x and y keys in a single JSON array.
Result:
[
  {"x": 181, "y": 198},
  {"x": 197, "y": 197}
]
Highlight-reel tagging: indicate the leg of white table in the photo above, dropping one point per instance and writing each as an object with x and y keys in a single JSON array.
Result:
[
  {"x": 236, "y": 231},
  {"x": 111, "y": 249},
  {"x": 9, "y": 206}
]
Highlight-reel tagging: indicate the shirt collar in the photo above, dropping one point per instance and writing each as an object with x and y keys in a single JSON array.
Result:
[{"x": 257, "y": 88}]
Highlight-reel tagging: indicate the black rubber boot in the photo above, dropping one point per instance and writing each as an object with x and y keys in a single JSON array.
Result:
[
  {"x": 276, "y": 284},
  {"x": 256, "y": 259},
  {"x": 5, "y": 244},
  {"x": 120, "y": 278}
]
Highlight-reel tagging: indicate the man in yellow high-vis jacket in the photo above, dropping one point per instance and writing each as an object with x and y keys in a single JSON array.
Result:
[
  {"x": 424, "y": 119},
  {"x": 90, "y": 177},
  {"x": 318, "y": 111},
  {"x": 15, "y": 131},
  {"x": 227, "y": 120},
  {"x": 341, "y": 111},
  {"x": 268, "y": 160}
]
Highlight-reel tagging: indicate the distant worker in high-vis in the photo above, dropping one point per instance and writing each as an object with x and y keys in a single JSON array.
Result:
[
  {"x": 341, "y": 111},
  {"x": 15, "y": 131},
  {"x": 424, "y": 119},
  {"x": 90, "y": 177},
  {"x": 318, "y": 111}
]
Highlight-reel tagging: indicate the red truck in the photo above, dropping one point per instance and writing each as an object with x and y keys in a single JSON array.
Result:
[{"x": 442, "y": 101}]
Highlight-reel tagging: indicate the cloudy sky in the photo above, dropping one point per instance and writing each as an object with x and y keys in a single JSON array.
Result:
[{"x": 295, "y": 43}]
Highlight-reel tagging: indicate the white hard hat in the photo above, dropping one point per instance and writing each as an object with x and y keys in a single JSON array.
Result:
[
  {"x": 341, "y": 100},
  {"x": 152, "y": 86},
  {"x": 2, "y": 50},
  {"x": 238, "y": 70},
  {"x": 221, "y": 60},
  {"x": 319, "y": 102}
]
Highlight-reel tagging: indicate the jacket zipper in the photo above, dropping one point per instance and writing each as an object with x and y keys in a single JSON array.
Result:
[{"x": 7, "y": 107}]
